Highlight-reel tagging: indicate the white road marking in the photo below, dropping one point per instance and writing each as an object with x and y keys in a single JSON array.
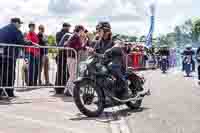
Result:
[
  {"x": 123, "y": 126},
  {"x": 42, "y": 123},
  {"x": 115, "y": 127},
  {"x": 119, "y": 126}
]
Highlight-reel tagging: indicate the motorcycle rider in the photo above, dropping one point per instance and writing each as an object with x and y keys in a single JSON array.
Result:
[
  {"x": 164, "y": 51},
  {"x": 104, "y": 41},
  {"x": 188, "y": 52},
  {"x": 113, "y": 57}
]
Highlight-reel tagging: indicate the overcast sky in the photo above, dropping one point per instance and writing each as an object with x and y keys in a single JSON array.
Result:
[{"x": 126, "y": 16}]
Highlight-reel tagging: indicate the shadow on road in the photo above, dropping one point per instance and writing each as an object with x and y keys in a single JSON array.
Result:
[
  {"x": 63, "y": 98},
  {"x": 32, "y": 101},
  {"x": 107, "y": 117}
]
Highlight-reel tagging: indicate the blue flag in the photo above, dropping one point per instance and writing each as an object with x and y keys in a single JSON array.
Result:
[
  {"x": 150, "y": 34},
  {"x": 151, "y": 30}
]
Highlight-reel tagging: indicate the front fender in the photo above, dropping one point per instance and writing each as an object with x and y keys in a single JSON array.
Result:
[{"x": 85, "y": 80}]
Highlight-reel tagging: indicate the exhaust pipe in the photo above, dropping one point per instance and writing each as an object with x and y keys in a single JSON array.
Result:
[{"x": 139, "y": 96}]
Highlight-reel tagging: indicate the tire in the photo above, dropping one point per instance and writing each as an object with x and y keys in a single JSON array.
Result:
[
  {"x": 80, "y": 105},
  {"x": 137, "y": 85},
  {"x": 134, "y": 105}
]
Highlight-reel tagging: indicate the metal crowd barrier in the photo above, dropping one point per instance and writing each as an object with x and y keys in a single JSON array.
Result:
[{"x": 22, "y": 67}]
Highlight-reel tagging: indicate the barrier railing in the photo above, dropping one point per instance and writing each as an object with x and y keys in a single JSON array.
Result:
[{"x": 22, "y": 67}]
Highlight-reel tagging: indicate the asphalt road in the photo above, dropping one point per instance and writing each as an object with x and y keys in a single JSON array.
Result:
[{"x": 173, "y": 107}]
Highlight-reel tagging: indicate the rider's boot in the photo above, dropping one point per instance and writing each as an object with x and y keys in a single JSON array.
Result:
[{"x": 124, "y": 95}]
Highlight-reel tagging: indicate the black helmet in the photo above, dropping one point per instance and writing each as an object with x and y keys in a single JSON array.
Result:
[{"x": 103, "y": 25}]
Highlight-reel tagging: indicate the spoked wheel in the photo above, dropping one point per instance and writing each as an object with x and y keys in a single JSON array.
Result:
[
  {"x": 135, "y": 104},
  {"x": 89, "y": 99}
]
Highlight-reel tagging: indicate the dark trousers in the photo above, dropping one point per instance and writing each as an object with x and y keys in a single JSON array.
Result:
[
  {"x": 33, "y": 69},
  {"x": 62, "y": 74},
  {"x": 7, "y": 75},
  {"x": 117, "y": 71},
  {"x": 193, "y": 65}
]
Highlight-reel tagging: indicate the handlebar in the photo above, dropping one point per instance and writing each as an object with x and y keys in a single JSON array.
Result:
[{"x": 98, "y": 55}]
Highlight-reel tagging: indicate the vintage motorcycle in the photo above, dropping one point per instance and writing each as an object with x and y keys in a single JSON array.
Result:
[
  {"x": 187, "y": 65},
  {"x": 164, "y": 64},
  {"x": 93, "y": 90}
]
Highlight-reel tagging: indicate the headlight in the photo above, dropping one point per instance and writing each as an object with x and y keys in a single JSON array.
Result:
[{"x": 83, "y": 68}]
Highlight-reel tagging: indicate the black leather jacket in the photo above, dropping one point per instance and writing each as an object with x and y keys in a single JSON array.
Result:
[
  {"x": 114, "y": 55},
  {"x": 102, "y": 45}
]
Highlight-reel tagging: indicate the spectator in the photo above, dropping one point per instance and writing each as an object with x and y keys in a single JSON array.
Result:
[
  {"x": 33, "y": 56},
  {"x": 188, "y": 51},
  {"x": 83, "y": 54},
  {"x": 76, "y": 41},
  {"x": 10, "y": 35},
  {"x": 198, "y": 61},
  {"x": 44, "y": 61},
  {"x": 62, "y": 74},
  {"x": 63, "y": 35}
]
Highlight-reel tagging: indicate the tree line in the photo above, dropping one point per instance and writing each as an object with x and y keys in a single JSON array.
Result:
[{"x": 186, "y": 33}]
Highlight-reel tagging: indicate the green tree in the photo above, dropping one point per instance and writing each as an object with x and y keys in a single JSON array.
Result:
[
  {"x": 142, "y": 38},
  {"x": 178, "y": 34},
  {"x": 51, "y": 40},
  {"x": 132, "y": 38},
  {"x": 196, "y": 30}
]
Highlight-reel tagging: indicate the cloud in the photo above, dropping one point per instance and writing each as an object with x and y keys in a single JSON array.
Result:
[{"x": 64, "y": 7}]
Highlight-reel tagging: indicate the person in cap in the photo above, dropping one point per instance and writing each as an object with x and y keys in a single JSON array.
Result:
[
  {"x": 113, "y": 57},
  {"x": 10, "y": 35},
  {"x": 62, "y": 74},
  {"x": 104, "y": 36},
  {"x": 60, "y": 39}
]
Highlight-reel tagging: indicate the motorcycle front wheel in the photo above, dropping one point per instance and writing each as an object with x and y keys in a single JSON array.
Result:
[{"x": 89, "y": 99}]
